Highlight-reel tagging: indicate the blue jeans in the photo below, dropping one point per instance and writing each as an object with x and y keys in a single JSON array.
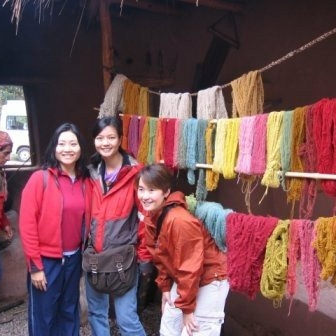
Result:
[{"x": 125, "y": 307}]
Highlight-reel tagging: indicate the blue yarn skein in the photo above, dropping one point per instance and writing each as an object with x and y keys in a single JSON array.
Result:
[
  {"x": 213, "y": 216},
  {"x": 190, "y": 138}
]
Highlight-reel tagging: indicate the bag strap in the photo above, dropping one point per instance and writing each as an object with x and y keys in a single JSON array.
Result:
[{"x": 162, "y": 216}]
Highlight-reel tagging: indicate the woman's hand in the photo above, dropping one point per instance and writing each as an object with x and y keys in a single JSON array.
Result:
[
  {"x": 166, "y": 299},
  {"x": 8, "y": 231},
  {"x": 39, "y": 280},
  {"x": 190, "y": 324}
]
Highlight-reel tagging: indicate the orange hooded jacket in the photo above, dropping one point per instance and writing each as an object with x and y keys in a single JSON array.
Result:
[{"x": 184, "y": 253}]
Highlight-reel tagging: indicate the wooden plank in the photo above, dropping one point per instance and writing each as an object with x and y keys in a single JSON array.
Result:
[
  {"x": 152, "y": 6},
  {"x": 217, "y": 4},
  {"x": 107, "y": 50}
]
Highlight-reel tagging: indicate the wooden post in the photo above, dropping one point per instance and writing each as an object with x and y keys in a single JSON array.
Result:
[{"x": 107, "y": 50}]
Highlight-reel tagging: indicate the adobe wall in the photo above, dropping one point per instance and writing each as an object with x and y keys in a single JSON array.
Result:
[{"x": 67, "y": 88}]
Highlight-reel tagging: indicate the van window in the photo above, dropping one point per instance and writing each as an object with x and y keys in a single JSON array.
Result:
[{"x": 14, "y": 121}]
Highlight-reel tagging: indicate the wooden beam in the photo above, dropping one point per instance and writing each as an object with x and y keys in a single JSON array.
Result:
[
  {"x": 217, "y": 4},
  {"x": 152, "y": 6},
  {"x": 107, "y": 50}
]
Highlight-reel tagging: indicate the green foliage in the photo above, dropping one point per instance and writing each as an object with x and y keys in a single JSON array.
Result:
[{"x": 10, "y": 92}]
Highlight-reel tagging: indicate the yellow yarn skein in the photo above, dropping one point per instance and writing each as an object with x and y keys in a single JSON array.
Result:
[
  {"x": 144, "y": 145},
  {"x": 231, "y": 148},
  {"x": 218, "y": 161},
  {"x": 274, "y": 274},
  {"x": 295, "y": 185},
  {"x": 143, "y": 101},
  {"x": 273, "y": 141},
  {"x": 247, "y": 95},
  {"x": 211, "y": 178},
  {"x": 325, "y": 245},
  {"x": 131, "y": 97}
]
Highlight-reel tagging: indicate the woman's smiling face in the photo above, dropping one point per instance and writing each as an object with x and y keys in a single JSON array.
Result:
[
  {"x": 107, "y": 142},
  {"x": 152, "y": 199}
]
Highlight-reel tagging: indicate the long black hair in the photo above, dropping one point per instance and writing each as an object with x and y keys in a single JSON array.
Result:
[
  {"x": 50, "y": 160},
  {"x": 100, "y": 124}
]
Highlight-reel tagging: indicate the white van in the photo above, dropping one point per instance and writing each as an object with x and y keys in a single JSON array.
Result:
[{"x": 13, "y": 120}]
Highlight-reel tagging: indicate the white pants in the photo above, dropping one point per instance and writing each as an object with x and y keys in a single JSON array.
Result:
[{"x": 209, "y": 312}]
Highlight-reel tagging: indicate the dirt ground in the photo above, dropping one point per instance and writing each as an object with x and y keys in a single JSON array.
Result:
[{"x": 16, "y": 321}]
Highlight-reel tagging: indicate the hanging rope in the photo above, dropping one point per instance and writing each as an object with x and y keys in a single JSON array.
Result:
[{"x": 283, "y": 58}]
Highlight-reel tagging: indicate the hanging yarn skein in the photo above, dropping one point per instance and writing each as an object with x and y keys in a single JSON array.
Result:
[
  {"x": 231, "y": 147},
  {"x": 245, "y": 144},
  {"x": 258, "y": 159},
  {"x": 293, "y": 257},
  {"x": 274, "y": 273},
  {"x": 182, "y": 145},
  {"x": 211, "y": 104},
  {"x": 218, "y": 161},
  {"x": 168, "y": 143},
  {"x": 213, "y": 216},
  {"x": 246, "y": 239},
  {"x": 201, "y": 191},
  {"x": 175, "y": 105},
  {"x": 309, "y": 191},
  {"x": 211, "y": 178},
  {"x": 310, "y": 264},
  {"x": 324, "y": 137},
  {"x": 151, "y": 141},
  {"x": 190, "y": 138},
  {"x": 143, "y": 147},
  {"x": 143, "y": 109},
  {"x": 285, "y": 146},
  {"x": 247, "y": 95},
  {"x": 131, "y": 96},
  {"x": 113, "y": 103},
  {"x": 295, "y": 185},
  {"x": 273, "y": 138},
  {"x": 133, "y": 136},
  {"x": 243, "y": 166},
  {"x": 325, "y": 245},
  {"x": 301, "y": 238}
]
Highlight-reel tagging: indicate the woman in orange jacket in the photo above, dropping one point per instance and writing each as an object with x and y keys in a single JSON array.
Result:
[{"x": 191, "y": 268}]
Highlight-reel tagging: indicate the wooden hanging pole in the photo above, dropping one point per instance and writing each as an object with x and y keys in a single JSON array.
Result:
[
  {"x": 107, "y": 50},
  {"x": 314, "y": 176}
]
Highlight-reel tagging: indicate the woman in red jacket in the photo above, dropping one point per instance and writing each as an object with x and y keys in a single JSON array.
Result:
[
  {"x": 191, "y": 268},
  {"x": 114, "y": 223},
  {"x": 54, "y": 223}
]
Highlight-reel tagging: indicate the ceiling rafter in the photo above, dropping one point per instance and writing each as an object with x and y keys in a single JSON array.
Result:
[
  {"x": 164, "y": 8},
  {"x": 152, "y": 6},
  {"x": 217, "y": 4}
]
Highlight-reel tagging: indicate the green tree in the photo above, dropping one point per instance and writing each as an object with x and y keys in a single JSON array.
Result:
[{"x": 10, "y": 92}]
